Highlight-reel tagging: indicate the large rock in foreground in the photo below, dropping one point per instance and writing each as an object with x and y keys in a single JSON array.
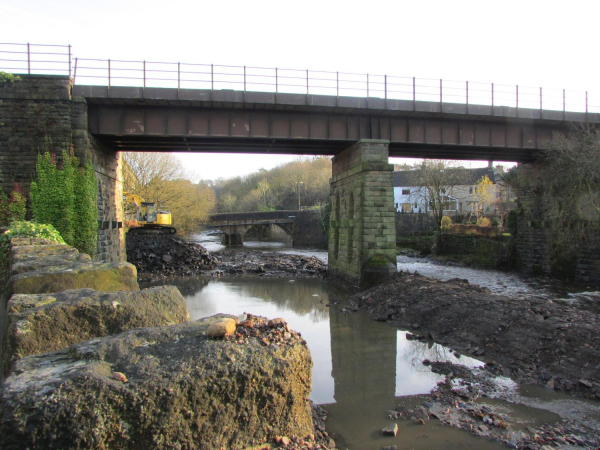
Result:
[
  {"x": 42, "y": 323},
  {"x": 183, "y": 390}
]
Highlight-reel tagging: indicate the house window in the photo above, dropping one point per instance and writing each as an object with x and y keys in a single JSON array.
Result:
[{"x": 405, "y": 191}]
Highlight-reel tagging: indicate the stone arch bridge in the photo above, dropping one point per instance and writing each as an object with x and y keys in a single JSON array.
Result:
[{"x": 235, "y": 225}]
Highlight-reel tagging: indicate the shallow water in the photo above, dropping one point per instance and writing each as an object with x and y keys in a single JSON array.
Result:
[{"x": 362, "y": 368}]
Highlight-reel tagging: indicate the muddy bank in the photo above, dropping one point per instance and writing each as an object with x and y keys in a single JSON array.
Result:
[
  {"x": 534, "y": 341},
  {"x": 465, "y": 400},
  {"x": 157, "y": 257},
  {"x": 269, "y": 264}
]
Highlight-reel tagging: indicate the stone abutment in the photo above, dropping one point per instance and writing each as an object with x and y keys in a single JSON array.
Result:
[{"x": 37, "y": 114}]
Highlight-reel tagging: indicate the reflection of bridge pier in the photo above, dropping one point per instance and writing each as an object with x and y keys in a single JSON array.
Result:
[{"x": 363, "y": 362}]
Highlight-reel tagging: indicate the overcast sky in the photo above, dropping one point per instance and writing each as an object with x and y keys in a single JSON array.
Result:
[{"x": 527, "y": 42}]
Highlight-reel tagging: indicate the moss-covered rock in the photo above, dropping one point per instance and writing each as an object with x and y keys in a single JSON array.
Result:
[
  {"x": 41, "y": 323},
  {"x": 105, "y": 277},
  {"x": 184, "y": 390},
  {"x": 37, "y": 266}
]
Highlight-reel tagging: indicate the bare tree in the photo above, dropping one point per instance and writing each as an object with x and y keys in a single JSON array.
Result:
[
  {"x": 436, "y": 180},
  {"x": 160, "y": 177}
]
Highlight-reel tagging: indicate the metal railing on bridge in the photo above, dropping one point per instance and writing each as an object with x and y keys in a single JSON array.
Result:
[{"x": 58, "y": 59}]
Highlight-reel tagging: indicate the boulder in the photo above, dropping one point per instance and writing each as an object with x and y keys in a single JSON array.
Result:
[
  {"x": 38, "y": 266},
  {"x": 105, "y": 277},
  {"x": 183, "y": 390},
  {"x": 41, "y": 323}
]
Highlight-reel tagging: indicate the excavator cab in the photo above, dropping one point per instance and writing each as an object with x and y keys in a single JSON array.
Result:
[{"x": 148, "y": 218}]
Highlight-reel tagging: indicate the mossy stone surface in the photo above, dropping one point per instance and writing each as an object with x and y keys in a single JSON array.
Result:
[
  {"x": 42, "y": 323},
  {"x": 184, "y": 390}
]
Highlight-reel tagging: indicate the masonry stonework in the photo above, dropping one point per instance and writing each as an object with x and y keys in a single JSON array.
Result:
[
  {"x": 37, "y": 114},
  {"x": 362, "y": 233},
  {"x": 535, "y": 241}
]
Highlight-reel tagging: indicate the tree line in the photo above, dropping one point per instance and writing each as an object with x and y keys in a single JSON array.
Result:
[
  {"x": 161, "y": 178},
  {"x": 303, "y": 182}
]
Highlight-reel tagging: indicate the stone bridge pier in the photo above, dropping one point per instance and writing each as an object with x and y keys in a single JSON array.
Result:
[
  {"x": 362, "y": 232},
  {"x": 234, "y": 234}
]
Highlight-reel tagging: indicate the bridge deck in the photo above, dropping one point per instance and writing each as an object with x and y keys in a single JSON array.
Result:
[{"x": 164, "y": 119}]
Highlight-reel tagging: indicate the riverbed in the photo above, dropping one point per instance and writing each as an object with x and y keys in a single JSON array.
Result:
[{"x": 362, "y": 368}]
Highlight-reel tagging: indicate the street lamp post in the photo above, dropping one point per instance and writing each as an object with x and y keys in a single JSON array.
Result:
[{"x": 298, "y": 188}]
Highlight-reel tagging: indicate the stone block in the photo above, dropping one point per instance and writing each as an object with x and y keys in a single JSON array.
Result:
[
  {"x": 105, "y": 277},
  {"x": 41, "y": 323},
  {"x": 183, "y": 390}
]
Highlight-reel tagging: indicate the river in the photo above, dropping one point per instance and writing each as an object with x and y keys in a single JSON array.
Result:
[{"x": 362, "y": 368}]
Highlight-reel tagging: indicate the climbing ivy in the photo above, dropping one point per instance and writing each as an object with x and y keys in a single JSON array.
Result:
[
  {"x": 85, "y": 217},
  {"x": 4, "y": 217},
  {"x": 13, "y": 208},
  {"x": 65, "y": 196},
  {"x": 17, "y": 203}
]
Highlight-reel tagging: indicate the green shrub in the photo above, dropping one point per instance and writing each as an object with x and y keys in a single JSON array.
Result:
[
  {"x": 483, "y": 222},
  {"x": 495, "y": 222},
  {"x": 446, "y": 222},
  {"x": 23, "y": 229},
  {"x": 8, "y": 77}
]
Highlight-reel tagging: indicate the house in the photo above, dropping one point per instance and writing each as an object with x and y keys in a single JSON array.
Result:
[{"x": 461, "y": 198}]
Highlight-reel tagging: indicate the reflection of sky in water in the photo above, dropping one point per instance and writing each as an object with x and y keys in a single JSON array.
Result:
[
  {"x": 302, "y": 304},
  {"x": 412, "y": 377}
]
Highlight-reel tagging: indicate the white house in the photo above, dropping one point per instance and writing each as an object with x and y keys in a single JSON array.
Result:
[{"x": 409, "y": 197}]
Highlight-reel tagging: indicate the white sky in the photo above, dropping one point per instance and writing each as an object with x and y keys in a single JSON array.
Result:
[{"x": 527, "y": 42}]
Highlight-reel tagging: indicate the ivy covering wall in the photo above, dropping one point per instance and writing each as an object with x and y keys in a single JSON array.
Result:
[{"x": 65, "y": 195}]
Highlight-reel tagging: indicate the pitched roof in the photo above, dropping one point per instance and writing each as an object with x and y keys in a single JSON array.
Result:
[{"x": 410, "y": 177}]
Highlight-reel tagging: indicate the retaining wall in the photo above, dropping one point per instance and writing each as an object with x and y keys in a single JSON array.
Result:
[{"x": 37, "y": 114}]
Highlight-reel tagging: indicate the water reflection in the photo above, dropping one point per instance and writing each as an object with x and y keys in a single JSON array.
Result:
[{"x": 212, "y": 242}]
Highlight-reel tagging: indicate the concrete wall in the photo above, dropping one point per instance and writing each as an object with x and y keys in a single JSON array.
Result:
[{"x": 39, "y": 114}]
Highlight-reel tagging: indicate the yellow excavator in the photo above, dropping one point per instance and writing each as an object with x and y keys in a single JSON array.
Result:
[{"x": 149, "y": 220}]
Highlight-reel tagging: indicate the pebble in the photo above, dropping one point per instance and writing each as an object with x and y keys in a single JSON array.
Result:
[
  {"x": 119, "y": 376},
  {"x": 222, "y": 328},
  {"x": 390, "y": 430},
  {"x": 278, "y": 321}
]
